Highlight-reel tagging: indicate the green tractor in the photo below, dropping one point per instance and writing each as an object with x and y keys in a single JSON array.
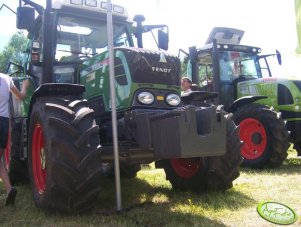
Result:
[
  {"x": 61, "y": 134},
  {"x": 243, "y": 79}
]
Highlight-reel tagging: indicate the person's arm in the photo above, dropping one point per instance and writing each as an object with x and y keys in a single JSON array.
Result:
[{"x": 20, "y": 94}]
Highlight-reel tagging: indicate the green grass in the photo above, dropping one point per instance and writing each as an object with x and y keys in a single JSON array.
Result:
[{"x": 151, "y": 202}]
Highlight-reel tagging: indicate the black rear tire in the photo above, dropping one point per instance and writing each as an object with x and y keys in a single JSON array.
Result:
[
  {"x": 64, "y": 155},
  {"x": 272, "y": 146},
  {"x": 209, "y": 173}
]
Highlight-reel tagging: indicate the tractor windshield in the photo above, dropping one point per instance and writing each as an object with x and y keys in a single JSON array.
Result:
[
  {"x": 233, "y": 64},
  {"x": 79, "y": 38}
]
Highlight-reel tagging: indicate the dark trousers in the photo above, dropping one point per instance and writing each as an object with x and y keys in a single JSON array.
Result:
[{"x": 4, "y": 124}]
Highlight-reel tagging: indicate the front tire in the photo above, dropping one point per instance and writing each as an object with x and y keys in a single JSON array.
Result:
[
  {"x": 209, "y": 173},
  {"x": 64, "y": 155},
  {"x": 266, "y": 139}
]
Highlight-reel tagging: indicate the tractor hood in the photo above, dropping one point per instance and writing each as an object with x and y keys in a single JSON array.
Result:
[
  {"x": 225, "y": 35},
  {"x": 134, "y": 69},
  {"x": 153, "y": 67}
]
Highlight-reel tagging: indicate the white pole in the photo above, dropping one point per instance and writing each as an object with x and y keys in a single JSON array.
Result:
[{"x": 113, "y": 103}]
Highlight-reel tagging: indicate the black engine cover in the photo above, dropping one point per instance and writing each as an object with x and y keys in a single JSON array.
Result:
[{"x": 155, "y": 67}]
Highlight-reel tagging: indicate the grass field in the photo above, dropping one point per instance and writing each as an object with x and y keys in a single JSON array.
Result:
[{"x": 150, "y": 201}]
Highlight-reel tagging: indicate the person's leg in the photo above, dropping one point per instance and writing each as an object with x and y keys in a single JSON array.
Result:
[
  {"x": 11, "y": 191},
  {"x": 3, "y": 173},
  {"x": 4, "y": 128}
]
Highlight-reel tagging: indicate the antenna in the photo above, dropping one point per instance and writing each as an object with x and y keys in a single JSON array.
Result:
[{"x": 3, "y": 5}]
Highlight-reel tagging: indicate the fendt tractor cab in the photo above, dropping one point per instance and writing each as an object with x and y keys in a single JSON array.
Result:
[
  {"x": 242, "y": 77},
  {"x": 62, "y": 131}
]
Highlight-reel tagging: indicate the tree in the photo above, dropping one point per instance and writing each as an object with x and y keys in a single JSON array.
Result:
[{"x": 13, "y": 51}]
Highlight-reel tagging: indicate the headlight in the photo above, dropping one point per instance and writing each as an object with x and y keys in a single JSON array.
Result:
[
  {"x": 146, "y": 98},
  {"x": 173, "y": 100}
]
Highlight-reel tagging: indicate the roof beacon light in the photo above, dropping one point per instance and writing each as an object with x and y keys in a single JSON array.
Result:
[
  {"x": 92, "y": 3},
  {"x": 118, "y": 9},
  {"x": 103, "y": 5},
  {"x": 76, "y": 2}
]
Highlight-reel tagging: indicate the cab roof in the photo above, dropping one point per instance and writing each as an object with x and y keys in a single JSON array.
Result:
[{"x": 225, "y": 35}]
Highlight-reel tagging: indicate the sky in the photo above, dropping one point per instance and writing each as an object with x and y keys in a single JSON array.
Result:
[{"x": 269, "y": 24}]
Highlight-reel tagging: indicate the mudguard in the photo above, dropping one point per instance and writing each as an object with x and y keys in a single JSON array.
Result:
[
  {"x": 56, "y": 89},
  {"x": 243, "y": 101}
]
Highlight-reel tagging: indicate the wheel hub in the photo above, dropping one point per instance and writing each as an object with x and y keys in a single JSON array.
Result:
[
  {"x": 254, "y": 135},
  {"x": 43, "y": 159},
  {"x": 186, "y": 167},
  {"x": 256, "y": 138}
]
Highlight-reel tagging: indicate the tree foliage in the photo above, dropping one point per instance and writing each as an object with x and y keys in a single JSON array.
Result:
[{"x": 13, "y": 51}]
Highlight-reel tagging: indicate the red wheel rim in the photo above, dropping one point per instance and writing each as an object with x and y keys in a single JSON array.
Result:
[
  {"x": 186, "y": 167},
  {"x": 7, "y": 152},
  {"x": 254, "y": 135},
  {"x": 38, "y": 159}
]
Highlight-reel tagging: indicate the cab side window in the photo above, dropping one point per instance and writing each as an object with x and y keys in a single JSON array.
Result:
[{"x": 264, "y": 68}]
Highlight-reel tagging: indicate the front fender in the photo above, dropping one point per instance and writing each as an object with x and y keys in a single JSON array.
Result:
[
  {"x": 244, "y": 101},
  {"x": 56, "y": 89}
]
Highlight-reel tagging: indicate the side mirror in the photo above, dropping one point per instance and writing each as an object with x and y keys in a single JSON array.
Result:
[
  {"x": 25, "y": 17},
  {"x": 163, "y": 40},
  {"x": 278, "y": 57},
  {"x": 193, "y": 53},
  {"x": 138, "y": 33}
]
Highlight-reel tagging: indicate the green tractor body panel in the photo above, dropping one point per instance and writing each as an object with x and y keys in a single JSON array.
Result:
[
  {"x": 94, "y": 74},
  {"x": 283, "y": 95}
]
